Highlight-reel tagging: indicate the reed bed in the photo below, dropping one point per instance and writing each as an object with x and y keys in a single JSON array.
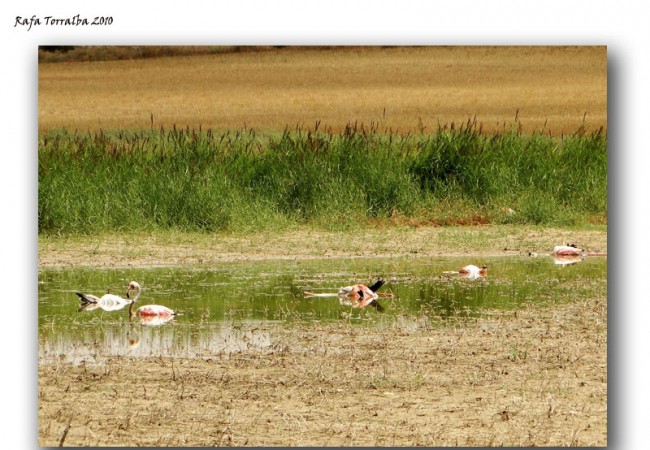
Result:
[{"x": 243, "y": 181}]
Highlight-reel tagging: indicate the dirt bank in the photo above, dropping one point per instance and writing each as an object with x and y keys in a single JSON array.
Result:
[{"x": 167, "y": 248}]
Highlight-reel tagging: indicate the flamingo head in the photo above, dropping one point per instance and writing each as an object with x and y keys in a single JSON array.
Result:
[{"x": 133, "y": 286}]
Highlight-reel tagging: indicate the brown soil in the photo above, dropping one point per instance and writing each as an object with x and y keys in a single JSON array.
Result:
[
  {"x": 165, "y": 249},
  {"x": 405, "y": 89},
  {"x": 537, "y": 376}
]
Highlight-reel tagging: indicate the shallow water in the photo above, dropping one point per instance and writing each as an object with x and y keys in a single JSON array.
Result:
[{"x": 233, "y": 306}]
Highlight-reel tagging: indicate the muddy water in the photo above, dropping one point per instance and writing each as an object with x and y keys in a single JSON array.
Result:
[{"x": 235, "y": 306}]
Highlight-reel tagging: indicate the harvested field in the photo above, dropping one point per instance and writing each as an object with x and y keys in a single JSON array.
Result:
[{"x": 405, "y": 89}]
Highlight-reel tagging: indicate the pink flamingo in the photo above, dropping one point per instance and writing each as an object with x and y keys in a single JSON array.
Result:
[
  {"x": 362, "y": 296},
  {"x": 567, "y": 250},
  {"x": 470, "y": 271},
  {"x": 154, "y": 321},
  {"x": 572, "y": 250},
  {"x": 146, "y": 310},
  {"x": 358, "y": 295}
]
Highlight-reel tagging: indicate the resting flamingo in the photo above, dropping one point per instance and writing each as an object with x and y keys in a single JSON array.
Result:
[
  {"x": 358, "y": 295},
  {"x": 146, "y": 310},
  {"x": 108, "y": 302},
  {"x": 470, "y": 271},
  {"x": 567, "y": 250}
]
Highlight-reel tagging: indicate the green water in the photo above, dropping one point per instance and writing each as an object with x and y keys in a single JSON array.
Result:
[{"x": 233, "y": 306}]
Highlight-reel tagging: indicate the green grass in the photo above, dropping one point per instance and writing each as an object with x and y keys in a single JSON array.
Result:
[{"x": 193, "y": 180}]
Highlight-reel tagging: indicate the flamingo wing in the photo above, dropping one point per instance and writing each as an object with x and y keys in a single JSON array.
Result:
[
  {"x": 112, "y": 303},
  {"x": 112, "y": 298},
  {"x": 154, "y": 310},
  {"x": 88, "y": 298},
  {"x": 375, "y": 287},
  {"x": 566, "y": 250}
]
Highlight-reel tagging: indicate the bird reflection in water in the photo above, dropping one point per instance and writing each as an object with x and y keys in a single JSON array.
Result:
[
  {"x": 133, "y": 335},
  {"x": 567, "y": 260}
]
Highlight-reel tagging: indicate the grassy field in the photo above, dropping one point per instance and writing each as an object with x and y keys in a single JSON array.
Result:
[{"x": 556, "y": 90}]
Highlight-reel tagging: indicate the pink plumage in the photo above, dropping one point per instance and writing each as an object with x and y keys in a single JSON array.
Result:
[
  {"x": 566, "y": 250},
  {"x": 146, "y": 310},
  {"x": 154, "y": 310}
]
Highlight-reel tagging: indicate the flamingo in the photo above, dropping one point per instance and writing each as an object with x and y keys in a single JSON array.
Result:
[
  {"x": 573, "y": 250},
  {"x": 567, "y": 250},
  {"x": 154, "y": 321},
  {"x": 358, "y": 295},
  {"x": 470, "y": 271},
  {"x": 361, "y": 295},
  {"x": 108, "y": 302},
  {"x": 564, "y": 255},
  {"x": 146, "y": 310}
]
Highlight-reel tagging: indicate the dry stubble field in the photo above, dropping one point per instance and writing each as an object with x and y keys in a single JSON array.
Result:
[
  {"x": 466, "y": 384},
  {"x": 557, "y": 89}
]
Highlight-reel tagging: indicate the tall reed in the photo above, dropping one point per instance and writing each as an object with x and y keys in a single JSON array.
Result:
[{"x": 238, "y": 180}]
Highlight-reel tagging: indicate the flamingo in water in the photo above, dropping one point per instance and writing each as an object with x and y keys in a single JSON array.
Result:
[
  {"x": 570, "y": 254},
  {"x": 146, "y": 310},
  {"x": 470, "y": 271},
  {"x": 108, "y": 302},
  {"x": 567, "y": 250},
  {"x": 358, "y": 295}
]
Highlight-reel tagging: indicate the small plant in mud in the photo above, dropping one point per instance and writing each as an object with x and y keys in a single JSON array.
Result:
[{"x": 518, "y": 354}]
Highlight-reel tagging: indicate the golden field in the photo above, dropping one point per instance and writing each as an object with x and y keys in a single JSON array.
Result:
[{"x": 403, "y": 89}]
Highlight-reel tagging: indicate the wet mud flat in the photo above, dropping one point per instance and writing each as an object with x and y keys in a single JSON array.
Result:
[{"x": 531, "y": 377}]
